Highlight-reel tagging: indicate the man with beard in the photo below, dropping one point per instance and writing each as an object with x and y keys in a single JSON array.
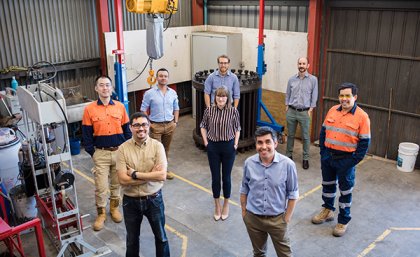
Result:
[
  {"x": 269, "y": 192},
  {"x": 162, "y": 103},
  {"x": 301, "y": 97},
  {"x": 141, "y": 169},
  {"x": 344, "y": 141},
  {"x": 104, "y": 128},
  {"x": 222, "y": 77}
]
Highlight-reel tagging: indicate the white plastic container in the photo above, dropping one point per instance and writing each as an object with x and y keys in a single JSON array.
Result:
[
  {"x": 25, "y": 207},
  {"x": 9, "y": 158},
  {"x": 407, "y": 155}
]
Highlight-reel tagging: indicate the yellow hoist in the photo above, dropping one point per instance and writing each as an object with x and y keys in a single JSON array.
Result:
[{"x": 154, "y": 26}]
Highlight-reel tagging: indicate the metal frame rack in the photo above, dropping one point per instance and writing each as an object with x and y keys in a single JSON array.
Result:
[{"x": 45, "y": 117}]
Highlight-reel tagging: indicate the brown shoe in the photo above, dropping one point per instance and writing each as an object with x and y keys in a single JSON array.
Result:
[
  {"x": 114, "y": 210},
  {"x": 324, "y": 215},
  {"x": 340, "y": 229},
  {"x": 169, "y": 175},
  {"x": 100, "y": 220}
]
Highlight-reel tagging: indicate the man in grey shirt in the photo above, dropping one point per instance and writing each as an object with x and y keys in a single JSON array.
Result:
[{"x": 301, "y": 97}]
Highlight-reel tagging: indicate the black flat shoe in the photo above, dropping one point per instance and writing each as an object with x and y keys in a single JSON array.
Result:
[{"x": 305, "y": 164}]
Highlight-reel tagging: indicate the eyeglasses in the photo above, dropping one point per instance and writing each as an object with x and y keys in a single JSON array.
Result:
[
  {"x": 223, "y": 63},
  {"x": 138, "y": 125},
  {"x": 104, "y": 85},
  {"x": 348, "y": 96}
]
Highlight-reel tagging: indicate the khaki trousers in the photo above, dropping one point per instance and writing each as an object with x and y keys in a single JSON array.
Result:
[
  {"x": 106, "y": 177},
  {"x": 260, "y": 227},
  {"x": 164, "y": 133}
]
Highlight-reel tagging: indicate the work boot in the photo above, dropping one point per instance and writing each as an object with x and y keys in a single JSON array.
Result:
[
  {"x": 169, "y": 175},
  {"x": 115, "y": 211},
  {"x": 340, "y": 229},
  {"x": 100, "y": 220},
  {"x": 324, "y": 215}
]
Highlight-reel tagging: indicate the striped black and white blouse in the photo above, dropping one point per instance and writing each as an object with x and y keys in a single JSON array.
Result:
[{"x": 221, "y": 124}]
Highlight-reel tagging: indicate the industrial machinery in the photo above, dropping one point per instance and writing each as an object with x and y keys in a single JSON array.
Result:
[{"x": 48, "y": 169}]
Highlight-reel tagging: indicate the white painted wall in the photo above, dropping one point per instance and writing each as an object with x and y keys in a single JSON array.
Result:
[
  {"x": 177, "y": 55},
  {"x": 282, "y": 49}
]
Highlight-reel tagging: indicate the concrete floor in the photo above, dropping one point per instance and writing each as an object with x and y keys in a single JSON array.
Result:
[{"x": 385, "y": 209}]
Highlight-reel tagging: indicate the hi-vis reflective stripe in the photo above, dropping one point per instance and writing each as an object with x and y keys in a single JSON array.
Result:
[
  {"x": 329, "y": 195},
  {"x": 341, "y": 130},
  {"x": 364, "y": 136},
  {"x": 346, "y": 192},
  {"x": 344, "y": 205},
  {"x": 335, "y": 142},
  {"x": 329, "y": 182}
]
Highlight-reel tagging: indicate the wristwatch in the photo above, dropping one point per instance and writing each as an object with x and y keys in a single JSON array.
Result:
[{"x": 133, "y": 174}]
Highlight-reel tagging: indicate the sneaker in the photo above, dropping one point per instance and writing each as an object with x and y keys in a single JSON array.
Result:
[
  {"x": 169, "y": 175},
  {"x": 324, "y": 215},
  {"x": 340, "y": 229}
]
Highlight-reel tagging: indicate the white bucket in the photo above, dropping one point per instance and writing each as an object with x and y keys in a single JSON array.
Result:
[
  {"x": 9, "y": 165},
  {"x": 407, "y": 155}
]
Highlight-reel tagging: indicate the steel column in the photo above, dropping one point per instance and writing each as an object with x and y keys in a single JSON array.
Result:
[{"x": 103, "y": 26}]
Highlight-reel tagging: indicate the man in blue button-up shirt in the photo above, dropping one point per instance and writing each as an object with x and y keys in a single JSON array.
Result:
[
  {"x": 162, "y": 103},
  {"x": 219, "y": 78},
  {"x": 269, "y": 192}
]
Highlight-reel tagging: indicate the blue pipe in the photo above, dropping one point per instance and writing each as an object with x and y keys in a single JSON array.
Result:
[{"x": 205, "y": 12}]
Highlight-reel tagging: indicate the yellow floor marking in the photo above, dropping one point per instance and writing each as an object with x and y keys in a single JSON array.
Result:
[
  {"x": 201, "y": 188},
  {"x": 382, "y": 237},
  {"x": 183, "y": 237},
  {"x": 310, "y": 192},
  {"x": 169, "y": 228}
]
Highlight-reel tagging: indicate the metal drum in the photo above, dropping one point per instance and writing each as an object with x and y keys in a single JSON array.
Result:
[{"x": 249, "y": 85}]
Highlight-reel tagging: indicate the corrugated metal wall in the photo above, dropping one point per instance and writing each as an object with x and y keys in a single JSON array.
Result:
[
  {"x": 379, "y": 50},
  {"x": 134, "y": 21},
  {"x": 51, "y": 30},
  {"x": 279, "y": 15},
  {"x": 61, "y": 32},
  {"x": 58, "y": 31}
]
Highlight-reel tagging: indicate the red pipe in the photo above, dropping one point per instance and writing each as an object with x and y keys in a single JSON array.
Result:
[
  {"x": 119, "y": 29},
  {"x": 197, "y": 13},
  {"x": 261, "y": 24},
  {"x": 314, "y": 31},
  {"x": 103, "y": 26}
]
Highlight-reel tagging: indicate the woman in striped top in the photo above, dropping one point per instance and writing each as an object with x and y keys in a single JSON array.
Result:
[{"x": 220, "y": 129}]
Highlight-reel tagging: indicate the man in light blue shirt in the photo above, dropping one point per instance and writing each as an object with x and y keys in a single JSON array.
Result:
[
  {"x": 162, "y": 103},
  {"x": 269, "y": 192},
  {"x": 301, "y": 97},
  {"x": 219, "y": 78}
]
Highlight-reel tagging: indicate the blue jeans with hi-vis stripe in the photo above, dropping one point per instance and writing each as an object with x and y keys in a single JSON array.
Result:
[{"x": 342, "y": 171}]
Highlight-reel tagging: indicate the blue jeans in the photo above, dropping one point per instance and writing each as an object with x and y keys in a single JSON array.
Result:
[
  {"x": 344, "y": 171},
  {"x": 154, "y": 210},
  {"x": 294, "y": 117},
  {"x": 221, "y": 153}
]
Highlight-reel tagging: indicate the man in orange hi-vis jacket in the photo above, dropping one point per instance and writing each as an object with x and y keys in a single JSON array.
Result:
[
  {"x": 344, "y": 141},
  {"x": 105, "y": 126}
]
